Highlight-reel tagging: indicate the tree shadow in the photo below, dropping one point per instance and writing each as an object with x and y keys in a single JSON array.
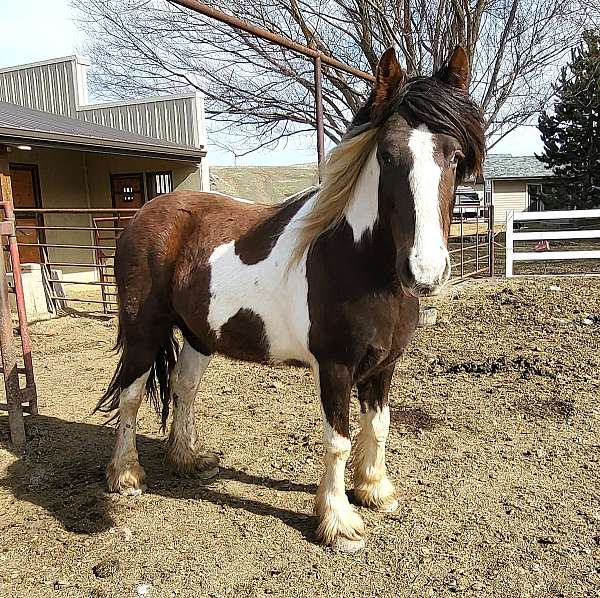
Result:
[{"x": 62, "y": 471}]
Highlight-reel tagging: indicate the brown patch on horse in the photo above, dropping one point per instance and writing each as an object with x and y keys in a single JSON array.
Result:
[
  {"x": 256, "y": 245},
  {"x": 377, "y": 321},
  {"x": 244, "y": 337}
]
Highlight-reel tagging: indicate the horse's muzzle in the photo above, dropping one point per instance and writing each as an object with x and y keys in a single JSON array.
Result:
[{"x": 427, "y": 282}]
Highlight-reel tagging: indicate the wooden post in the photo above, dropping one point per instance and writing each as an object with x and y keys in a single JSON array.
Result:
[
  {"x": 7, "y": 347},
  {"x": 9, "y": 363},
  {"x": 492, "y": 240},
  {"x": 14, "y": 393}
]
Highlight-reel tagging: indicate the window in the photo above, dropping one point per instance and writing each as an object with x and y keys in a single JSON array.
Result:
[
  {"x": 158, "y": 183},
  {"x": 535, "y": 200}
]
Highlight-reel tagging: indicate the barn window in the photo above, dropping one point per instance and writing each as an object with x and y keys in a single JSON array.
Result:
[{"x": 158, "y": 183}]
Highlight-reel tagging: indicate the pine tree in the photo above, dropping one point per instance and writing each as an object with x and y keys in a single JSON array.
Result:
[{"x": 571, "y": 135}]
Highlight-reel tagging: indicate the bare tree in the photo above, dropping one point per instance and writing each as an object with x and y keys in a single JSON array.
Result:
[{"x": 265, "y": 93}]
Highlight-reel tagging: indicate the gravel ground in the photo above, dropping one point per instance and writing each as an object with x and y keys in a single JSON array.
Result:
[{"x": 494, "y": 449}]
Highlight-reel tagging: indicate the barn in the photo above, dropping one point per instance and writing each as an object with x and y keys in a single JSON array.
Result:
[{"x": 65, "y": 153}]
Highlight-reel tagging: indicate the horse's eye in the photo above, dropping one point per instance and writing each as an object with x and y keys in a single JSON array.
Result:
[
  {"x": 457, "y": 157},
  {"x": 386, "y": 158}
]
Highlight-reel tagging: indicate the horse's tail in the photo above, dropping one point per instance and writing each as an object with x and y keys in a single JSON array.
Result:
[{"x": 129, "y": 368}]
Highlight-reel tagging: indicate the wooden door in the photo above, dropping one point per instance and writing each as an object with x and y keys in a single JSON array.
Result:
[
  {"x": 25, "y": 195},
  {"x": 127, "y": 190}
]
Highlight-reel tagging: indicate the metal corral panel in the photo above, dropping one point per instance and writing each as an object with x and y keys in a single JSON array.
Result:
[{"x": 174, "y": 119}]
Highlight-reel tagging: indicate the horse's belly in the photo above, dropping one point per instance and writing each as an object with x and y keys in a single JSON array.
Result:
[{"x": 257, "y": 312}]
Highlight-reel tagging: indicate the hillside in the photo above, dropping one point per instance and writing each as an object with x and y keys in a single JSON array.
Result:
[{"x": 264, "y": 184}]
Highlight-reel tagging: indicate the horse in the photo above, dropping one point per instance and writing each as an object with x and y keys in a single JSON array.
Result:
[{"x": 330, "y": 279}]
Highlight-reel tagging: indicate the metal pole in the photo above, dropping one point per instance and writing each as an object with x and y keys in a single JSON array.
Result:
[
  {"x": 213, "y": 13},
  {"x": 319, "y": 113},
  {"x": 7, "y": 199}
]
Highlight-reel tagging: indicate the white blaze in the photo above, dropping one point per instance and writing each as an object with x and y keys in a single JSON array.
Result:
[{"x": 429, "y": 255}]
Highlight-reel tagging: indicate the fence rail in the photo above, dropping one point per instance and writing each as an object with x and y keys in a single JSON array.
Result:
[
  {"x": 79, "y": 267},
  {"x": 569, "y": 217}
]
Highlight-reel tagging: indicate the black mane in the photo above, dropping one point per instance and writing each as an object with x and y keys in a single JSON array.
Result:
[{"x": 443, "y": 108}]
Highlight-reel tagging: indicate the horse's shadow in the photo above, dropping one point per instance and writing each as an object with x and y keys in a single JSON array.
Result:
[{"x": 62, "y": 470}]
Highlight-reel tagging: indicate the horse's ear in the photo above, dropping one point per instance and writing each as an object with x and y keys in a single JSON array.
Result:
[
  {"x": 456, "y": 71},
  {"x": 388, "y": 78}
]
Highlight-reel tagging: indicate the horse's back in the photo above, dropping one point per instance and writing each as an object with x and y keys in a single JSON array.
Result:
[{"x": 174, "y": 233}]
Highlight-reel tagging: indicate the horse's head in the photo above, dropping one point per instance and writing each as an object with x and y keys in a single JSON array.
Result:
[{"x": 430, "y": 137}]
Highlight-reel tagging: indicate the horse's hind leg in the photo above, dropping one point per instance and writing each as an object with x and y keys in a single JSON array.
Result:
[
  {"x": 372, "y": 487},
  {"x": 141, "y": 347},
  {"x": 183, "y": 448},
  {"x": 124, "y": 473}
]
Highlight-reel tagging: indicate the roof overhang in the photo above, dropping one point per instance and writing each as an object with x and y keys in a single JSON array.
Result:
[{"x": 13, "y": 136}]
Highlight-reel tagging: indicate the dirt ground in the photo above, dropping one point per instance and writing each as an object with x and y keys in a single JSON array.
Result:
[{"x": 494, "y": 449}]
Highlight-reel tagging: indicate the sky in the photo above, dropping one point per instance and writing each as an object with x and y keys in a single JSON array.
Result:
[{"x": 33, "y": 30}]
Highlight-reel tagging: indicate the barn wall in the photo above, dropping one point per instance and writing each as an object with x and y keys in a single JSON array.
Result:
[
  {"x": 186, "y": 176},
  {"x": 73, "y": 179},
  {"x": 508, "y": 195},
  {"x": 59, "y": 86},
  {"x": 63, "y": 185}
]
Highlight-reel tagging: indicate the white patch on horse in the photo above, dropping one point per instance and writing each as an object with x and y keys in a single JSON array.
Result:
[
  {"x": 129, "y": 403},
  {"x": 278, "y": 295},
  {"x": 429, "y": 256},
  {"x": 363, "y": 208},
  {"x": 184, "y": 383}
]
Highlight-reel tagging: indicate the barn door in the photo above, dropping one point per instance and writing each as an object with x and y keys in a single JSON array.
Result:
[
  {"x": 25, "y": 195},
  {"x": 127, "y": 190}
]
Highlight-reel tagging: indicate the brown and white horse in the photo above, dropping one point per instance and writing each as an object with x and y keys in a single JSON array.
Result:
[{"x": 330, "y": 279}]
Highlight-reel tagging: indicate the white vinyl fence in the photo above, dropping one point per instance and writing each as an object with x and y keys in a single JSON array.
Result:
[{"x": 546, "y": 235}]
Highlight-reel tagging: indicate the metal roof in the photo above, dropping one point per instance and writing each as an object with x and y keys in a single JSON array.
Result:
[
  {"x": 505, "y": 166},
  {"x": 19, "y": 124}
]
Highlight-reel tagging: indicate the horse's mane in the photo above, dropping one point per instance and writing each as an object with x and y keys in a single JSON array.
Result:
[{"x": 443, "y": 108}]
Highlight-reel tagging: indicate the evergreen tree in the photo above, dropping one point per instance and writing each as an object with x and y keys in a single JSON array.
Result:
[{"x": 571, "y": 135}]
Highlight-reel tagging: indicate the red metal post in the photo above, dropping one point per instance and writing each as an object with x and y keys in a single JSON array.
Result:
[{"x": 18, "y": 281}]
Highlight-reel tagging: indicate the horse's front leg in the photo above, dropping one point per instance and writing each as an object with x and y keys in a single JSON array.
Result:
[
  {"x": 372, "y": 487},
  {"x": 184, "y": 448},
  {"x": 339, "y": 525}
]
